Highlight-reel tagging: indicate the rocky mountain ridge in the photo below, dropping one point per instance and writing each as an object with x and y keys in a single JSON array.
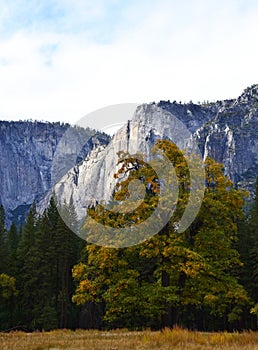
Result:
[
  {"x": 224, "y": 130},
  {"x": 27, "y": 150}
]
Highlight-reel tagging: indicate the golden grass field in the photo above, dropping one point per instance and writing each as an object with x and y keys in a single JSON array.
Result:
[{"x": 176, "y": 339}]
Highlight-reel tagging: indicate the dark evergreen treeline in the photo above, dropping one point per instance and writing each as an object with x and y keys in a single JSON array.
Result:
[
  {"x": 40, "y": 257},
  {"x": 205, "y": 278}
]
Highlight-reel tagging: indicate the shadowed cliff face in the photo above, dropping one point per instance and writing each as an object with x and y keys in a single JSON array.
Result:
[
  {"x": 224, "y": 130},
  {"x": 26, "y": 154}
]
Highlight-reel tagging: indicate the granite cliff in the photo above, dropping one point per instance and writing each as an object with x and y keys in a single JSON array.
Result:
[
  {"x": 26, "y": 154},
  {"x": 227, "y": 131},
  {"x": 224, "y": 130}
]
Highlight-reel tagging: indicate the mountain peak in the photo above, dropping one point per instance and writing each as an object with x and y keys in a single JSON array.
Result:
[{"x": 250, "y": 94}]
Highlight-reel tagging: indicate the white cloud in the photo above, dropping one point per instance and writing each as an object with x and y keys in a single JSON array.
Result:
[{"x": 156, "y": 50}]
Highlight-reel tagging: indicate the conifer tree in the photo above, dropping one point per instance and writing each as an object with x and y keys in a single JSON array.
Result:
[
  {"x": 252, "y": 261},
  {"x": 45, "y": 316},
  {"x": 12, "y": 242},
  {"x": 28, "y": 278},
  {"x": 3, "y": 258},
  {"x": 67, "y": 246}
]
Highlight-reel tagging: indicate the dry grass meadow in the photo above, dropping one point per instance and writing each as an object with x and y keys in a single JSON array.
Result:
[{"x": 176, "y": 339}]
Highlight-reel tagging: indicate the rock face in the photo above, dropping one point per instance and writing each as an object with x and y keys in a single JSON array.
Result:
[
  {"x": 227, "y": 131},
  {"x": 224, "y": 130},
  {"x": 26, "y": 154}
]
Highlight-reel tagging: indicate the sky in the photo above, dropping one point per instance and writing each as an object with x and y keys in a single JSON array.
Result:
[{"x": 62, "y": 59}]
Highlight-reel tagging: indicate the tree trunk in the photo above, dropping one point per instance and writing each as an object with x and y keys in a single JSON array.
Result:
[{"x": 166, "y": 319}]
